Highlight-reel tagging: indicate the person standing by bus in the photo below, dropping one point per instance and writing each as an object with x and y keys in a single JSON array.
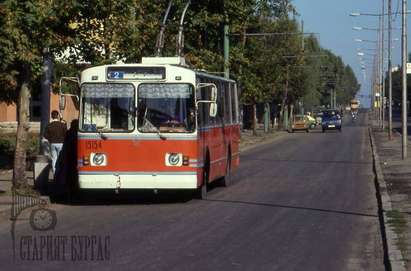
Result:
[{"x": 55, "y": 133}]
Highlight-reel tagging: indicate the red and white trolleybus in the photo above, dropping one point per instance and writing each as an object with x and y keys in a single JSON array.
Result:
[{"x": 156, "y": 125}]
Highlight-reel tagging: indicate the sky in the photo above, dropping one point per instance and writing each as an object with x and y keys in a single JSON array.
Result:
[{"x": 330, "y": 18}]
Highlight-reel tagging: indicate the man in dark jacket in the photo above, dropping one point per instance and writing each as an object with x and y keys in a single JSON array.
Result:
[{"x": 55, "y": 133}]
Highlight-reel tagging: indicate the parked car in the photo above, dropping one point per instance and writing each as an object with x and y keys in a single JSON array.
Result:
[
  {"x": 311, "y": 121},
  {"x": 300, "y": 122},
  {"x": 318, "y": 117},
  {"x": 331, "y": 120}
]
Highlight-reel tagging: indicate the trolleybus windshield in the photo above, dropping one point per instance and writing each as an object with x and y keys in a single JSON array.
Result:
[
  {"x": 166, "y": 108},
  {"x": 107, "y": 108}
]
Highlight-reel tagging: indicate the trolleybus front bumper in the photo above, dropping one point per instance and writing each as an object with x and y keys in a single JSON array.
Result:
[{"x": 137, "y": 180}]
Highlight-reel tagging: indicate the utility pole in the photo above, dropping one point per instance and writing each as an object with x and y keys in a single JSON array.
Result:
[
  {"x": 382, "y": 67},
  {"x": 226, "y": 52},
  {"x": 335, "y": 98},
  {"x": 302, "y": 36},
  {"x": 379, "y": 73},
  {"x": 45, "y": 94},
  {"x": 389, "y": 71},
  {"x": 404, "y": 79}
]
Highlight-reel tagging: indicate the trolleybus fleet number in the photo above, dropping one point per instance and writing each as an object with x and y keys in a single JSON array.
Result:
[{"x": 93, "y": 145}]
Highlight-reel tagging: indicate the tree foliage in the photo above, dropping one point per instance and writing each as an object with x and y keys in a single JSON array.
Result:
[
  {"x": 102, "y": 31},
  {"x": 29, "y": 29},
  {"x": 273, "y": 68}
]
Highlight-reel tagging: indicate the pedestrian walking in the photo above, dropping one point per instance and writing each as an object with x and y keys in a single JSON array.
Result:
[{"x": 55, "y": 133}]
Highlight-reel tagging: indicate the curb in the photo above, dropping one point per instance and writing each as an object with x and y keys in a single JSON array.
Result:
[
  {"x": 277, "y": 135},
  {"x": 393, "y": 256}
]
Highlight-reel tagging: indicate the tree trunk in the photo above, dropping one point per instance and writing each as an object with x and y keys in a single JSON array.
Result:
[
  {"x": 19, "y": 169},
  {"x": 284, "y": 100},
  {"x": 254, "y": 119},
  {"x": 291, "y": 114}
]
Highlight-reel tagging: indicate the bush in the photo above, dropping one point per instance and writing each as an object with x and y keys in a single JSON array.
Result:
[{"x": 8, "y": 145}]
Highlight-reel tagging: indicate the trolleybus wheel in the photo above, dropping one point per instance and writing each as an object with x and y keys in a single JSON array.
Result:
[
  {"x": 201, "y": 192},
  {"x": 226, "y": 180}
]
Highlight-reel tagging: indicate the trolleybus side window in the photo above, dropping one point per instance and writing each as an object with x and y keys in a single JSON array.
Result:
[
  {"x": 107, "y": 107},
  {"x": 202, "y": 107},
  {"x": 220, "y": 102},
  {"x": 234, "y": 103},
  {"x": 227, "y": 103},
  {"x": 228, "y": 114},
  {"x": 204, "y": 93}
]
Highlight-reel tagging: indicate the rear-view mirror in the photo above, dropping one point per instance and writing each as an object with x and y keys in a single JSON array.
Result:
[
  {"x": 213, "y": 93},
  {"x": 68, "y": 87},
  {"x": 62, "y": 102},
  {"x": 213, "y": 110}
]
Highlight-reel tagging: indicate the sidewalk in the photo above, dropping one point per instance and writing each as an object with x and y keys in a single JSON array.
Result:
[
  {"x": 5, "y": 193},
  {"x": 6, "y": 177},
  {"x": 395, "y": 184}
]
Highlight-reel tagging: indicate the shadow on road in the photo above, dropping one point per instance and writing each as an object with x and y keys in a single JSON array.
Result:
[
  {"x": 308, "y": 161},
  {"x": 293, "y": 207},
  {"x": 124, "y": 198}
]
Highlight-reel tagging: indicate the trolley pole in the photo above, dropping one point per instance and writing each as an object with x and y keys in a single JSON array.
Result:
[{"x": 404, "y": 79}]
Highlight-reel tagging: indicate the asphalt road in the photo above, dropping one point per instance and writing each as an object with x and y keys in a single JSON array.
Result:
[{"x": 303, "y": 202}]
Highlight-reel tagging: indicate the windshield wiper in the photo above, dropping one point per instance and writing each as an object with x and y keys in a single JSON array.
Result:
[
  {"x": 156, "y": 130},
  {"x": 100, "y": 132}
]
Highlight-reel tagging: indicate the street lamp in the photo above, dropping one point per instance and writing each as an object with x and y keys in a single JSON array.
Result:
[
  {"x": 381, "y": 64},
  {"x": 356, "y": 14},
  {"x": 373, "y": 41},
  {"x": 380, "y": 46},
  {"x": 362, "y": 40},
  {"x": 404, "y": 13},
  {"x": 366, "y": 49},
  {"x": 359, "y": 28},
  {"x": 359, "y": 53}
]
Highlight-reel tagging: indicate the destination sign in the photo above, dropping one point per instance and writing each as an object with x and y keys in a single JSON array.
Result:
[{"x": 136, "y": 73}]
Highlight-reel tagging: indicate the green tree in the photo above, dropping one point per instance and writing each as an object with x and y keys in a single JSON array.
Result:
[
  {"x": 108, "y": 31},
  {"x": 28, "y": 28}
]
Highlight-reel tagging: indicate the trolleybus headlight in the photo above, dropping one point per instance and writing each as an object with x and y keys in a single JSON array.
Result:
[
  {"x": 86, "y": 160},
  {"x": 98, "y": 159},
  {"x": 185, "y": 160},
  {"x": 174, "y": 159}
]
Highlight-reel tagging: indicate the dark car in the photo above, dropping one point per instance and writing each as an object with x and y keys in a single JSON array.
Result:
[{"x": 331, "y": 120}]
